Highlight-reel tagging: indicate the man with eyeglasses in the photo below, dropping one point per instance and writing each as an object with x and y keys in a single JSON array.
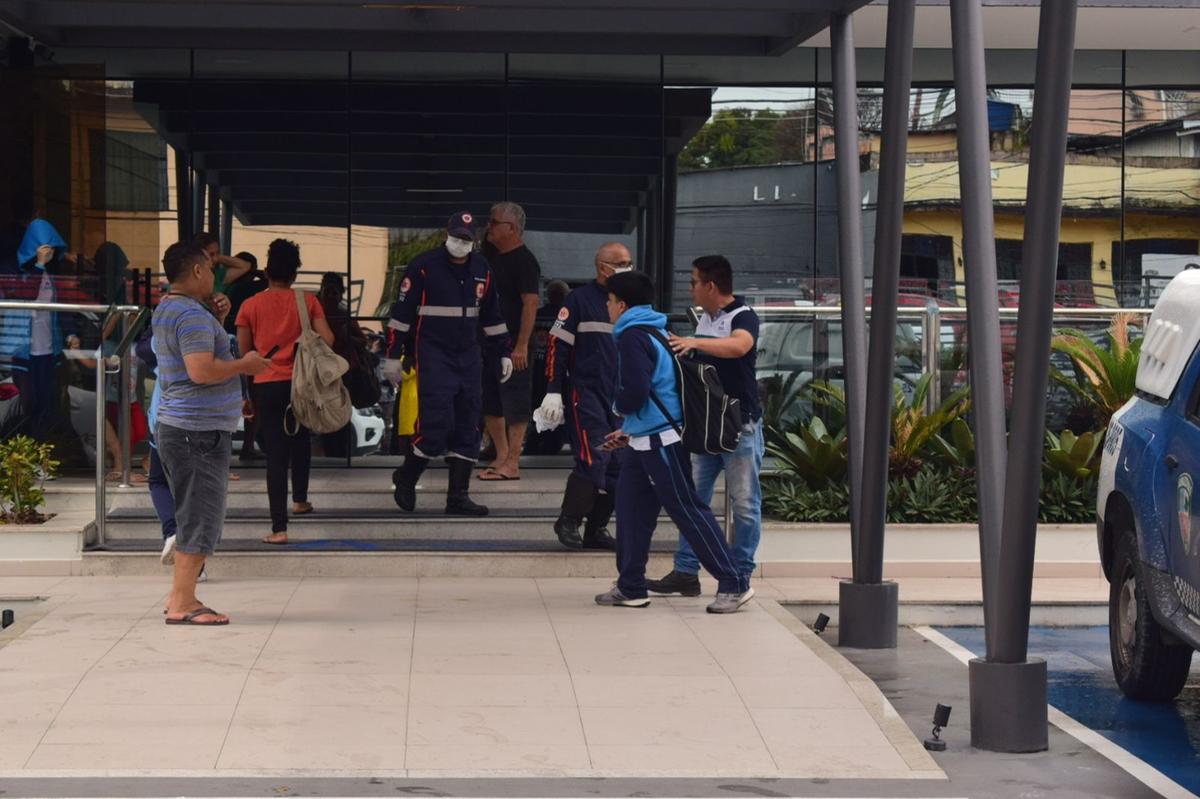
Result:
[
  {"x": 507, "y": 406},
  {"x": 727, "y": 337},
  {"x": 582, "y": 367}
]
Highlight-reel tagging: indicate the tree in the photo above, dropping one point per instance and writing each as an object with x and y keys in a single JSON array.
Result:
[{"x": 733, "y": 137}]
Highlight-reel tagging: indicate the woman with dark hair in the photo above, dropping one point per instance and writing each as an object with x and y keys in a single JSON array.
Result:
[
  {"x": 350, "y": 342},
  {"x": 267, "y": 322}
]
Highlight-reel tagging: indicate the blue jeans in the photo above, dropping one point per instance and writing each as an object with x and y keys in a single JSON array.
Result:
[{"x": 742, "y": 467}]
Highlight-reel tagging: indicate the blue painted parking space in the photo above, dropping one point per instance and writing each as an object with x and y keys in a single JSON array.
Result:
[{"x": 1166, "y": 736}]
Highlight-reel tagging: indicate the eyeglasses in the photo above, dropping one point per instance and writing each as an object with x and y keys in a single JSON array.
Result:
[{"x": 618, "y": 264}]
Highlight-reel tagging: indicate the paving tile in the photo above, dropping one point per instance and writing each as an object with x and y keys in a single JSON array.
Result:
[
  {"x": 492, "y": 690},
  {"x": 669, "y": 726},
  {"x": 22, "y": 725},
  {"x": 547, "y": 663},
  {"x": 734, "y": 759},
  {"x": 160, "y": 687},
  {"x": 457, "y": 758},
  {"x": 306, "y": 689},
  {"x": 655, "y": 691},
  {"x": 283, "y": 737},
  {"x": 484, "y": 726},
  {"x": 88, "y": 736},
  {"x": 791, "y": 734}
]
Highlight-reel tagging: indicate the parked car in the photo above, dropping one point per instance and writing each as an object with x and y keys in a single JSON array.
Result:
[{"x": 1147, "y": 522}]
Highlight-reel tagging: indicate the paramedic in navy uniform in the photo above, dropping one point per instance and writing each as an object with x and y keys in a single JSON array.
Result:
[
  {"x": 447, "y": 294},
  {"x": 580, "y": 372}
]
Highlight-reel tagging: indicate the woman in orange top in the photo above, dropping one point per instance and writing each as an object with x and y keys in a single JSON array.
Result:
[{"x": 267, "y": 321}]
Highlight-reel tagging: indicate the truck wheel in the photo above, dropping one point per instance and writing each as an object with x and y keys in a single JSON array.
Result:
[{"x": 1145, "y": 665}]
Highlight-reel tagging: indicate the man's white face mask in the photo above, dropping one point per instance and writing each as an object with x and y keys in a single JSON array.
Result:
[{"x": 458, "y": 248}]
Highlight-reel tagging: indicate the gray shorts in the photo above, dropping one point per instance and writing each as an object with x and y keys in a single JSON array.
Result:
[{"x": 197, "y": 466}]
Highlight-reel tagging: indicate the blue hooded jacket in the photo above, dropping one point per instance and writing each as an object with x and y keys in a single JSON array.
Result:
[
  {"x": 643, "y": 363},
  {"x": 16, "y": 326}
]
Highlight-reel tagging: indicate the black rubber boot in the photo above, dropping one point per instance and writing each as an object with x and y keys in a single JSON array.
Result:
[
  {"x": 595, "y": 534},
  {"x": 577, "y": 503},
  {"x": 405, "y": 479},
  {"x": 457, "y": 501}
]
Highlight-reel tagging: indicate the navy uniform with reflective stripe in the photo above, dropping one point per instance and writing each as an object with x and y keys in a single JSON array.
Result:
[
  {"x": 436, "y": 321},
  {"x": 582, "y": 366}
]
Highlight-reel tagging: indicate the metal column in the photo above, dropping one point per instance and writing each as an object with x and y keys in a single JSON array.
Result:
[
  {"x": 850, "y": 256},
  {"x": 214, "y": 212},
  {"x": 1008, "y": 690},
  {"x": 666, "y": 282},
  {"x": 979, "y": 262},
  {"x": 867, "y": 606},
  {"x": 183, "y": 195},
  {"x": 227, "y": 228},
  {"x": 198, "y": 192}
]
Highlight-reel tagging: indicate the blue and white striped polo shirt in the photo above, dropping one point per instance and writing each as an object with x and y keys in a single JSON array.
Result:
[{"x": 183, "y": 326}]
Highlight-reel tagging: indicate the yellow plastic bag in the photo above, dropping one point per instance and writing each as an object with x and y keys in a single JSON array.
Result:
[{"x": 408, "y": 404}]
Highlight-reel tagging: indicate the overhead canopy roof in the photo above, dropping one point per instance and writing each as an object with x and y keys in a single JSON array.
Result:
[
  {"x": 752, "y": 27},
  {"x": 579, "y": 158}
]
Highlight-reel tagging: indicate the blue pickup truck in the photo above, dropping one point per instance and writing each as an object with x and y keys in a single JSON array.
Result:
[{"x": 1148, "y": 525}]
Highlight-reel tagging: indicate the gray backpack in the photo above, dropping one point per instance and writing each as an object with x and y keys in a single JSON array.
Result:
[{"x": 320, "y": 400}]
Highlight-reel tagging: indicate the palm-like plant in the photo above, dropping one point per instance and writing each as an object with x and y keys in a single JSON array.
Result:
[
  {"x": 810, "y": 451},
  {"x": 913, "y": 430},
  {"x": 1106, "y": 377}
]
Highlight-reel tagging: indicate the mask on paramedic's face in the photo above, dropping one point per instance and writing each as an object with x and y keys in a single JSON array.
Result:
[{"x": 458, "y": 248}]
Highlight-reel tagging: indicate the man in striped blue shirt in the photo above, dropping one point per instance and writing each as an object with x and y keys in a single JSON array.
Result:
[{"x": 198, "y": 410}]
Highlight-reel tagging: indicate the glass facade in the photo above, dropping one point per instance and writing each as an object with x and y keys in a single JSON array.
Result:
[{"x": 360, "y": 158}]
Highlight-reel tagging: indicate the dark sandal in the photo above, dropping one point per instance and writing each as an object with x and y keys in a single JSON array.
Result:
[{"x": 190, "y": 618}]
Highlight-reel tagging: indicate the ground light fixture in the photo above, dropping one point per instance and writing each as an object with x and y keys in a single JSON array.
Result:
[
  {"x": 941, "y": 718},
  {"x": 820, "y": 624},
  {"x": 6, "y": 619}
]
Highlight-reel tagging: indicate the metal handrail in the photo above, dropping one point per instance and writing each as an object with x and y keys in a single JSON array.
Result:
[{"x": 121, "y": 360}]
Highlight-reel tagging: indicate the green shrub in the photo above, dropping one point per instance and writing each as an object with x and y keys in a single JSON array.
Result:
[
  {"x": 935, "y": 494},
  {"x": 1066, "y": 500},
  {"x": 24, "y": 466}
]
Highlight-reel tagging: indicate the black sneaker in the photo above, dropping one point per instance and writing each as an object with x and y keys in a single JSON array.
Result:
[{"x": 675, "y": 583}]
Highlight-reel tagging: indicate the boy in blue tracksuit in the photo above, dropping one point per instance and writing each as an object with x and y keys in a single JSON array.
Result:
[{"x": 656, "y": 471}]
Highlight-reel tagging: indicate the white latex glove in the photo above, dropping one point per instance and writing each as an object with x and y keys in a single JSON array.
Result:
[
  {"x": 506, "y": 369},
  {"x": 393, "y": 370},
  {"x": 552, "y": 409}
]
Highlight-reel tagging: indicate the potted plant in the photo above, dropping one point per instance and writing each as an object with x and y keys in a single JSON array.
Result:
[{"x": 31, "y": 541}]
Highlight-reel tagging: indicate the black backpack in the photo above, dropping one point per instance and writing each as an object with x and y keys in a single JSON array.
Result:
[{"x": 712, "y": 421}]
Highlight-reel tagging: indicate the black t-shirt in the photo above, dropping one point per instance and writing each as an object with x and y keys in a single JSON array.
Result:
[
  {"x": 737, "y": 375},
  {"x": 517, "y": 272}
]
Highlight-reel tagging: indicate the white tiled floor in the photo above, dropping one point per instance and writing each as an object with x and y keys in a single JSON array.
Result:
[{"x": 455, "y": 677}]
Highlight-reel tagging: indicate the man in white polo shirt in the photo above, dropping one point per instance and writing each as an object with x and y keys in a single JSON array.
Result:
[{"x": 727, "y": 337}]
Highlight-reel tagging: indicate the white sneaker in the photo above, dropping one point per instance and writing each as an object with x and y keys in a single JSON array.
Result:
[
  {"x": 168, "y": 551},
  {"x": 202, "y": 577},
  {"x": 730, "y": 603}
]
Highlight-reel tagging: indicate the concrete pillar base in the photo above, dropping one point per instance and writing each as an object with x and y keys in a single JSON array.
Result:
[
  {"x": 1008, "y": 706},
  {"x": 868, "y": 614}
]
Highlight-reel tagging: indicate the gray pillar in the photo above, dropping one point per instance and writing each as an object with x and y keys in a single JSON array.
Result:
[
  {"x": 979, "y": 262},
  {"x": 850, "y": 256},
  {"x": 214, "y": 212},
  {"x": 670, "y": 186},
  {"x": 868, "y": 606},
  {"x": 198, "y": 192},
  {"x": 640, "y": 256},
  {"x": 1047, "y": 159},
  {"x": 227, "y": 228},
  {"x": 1008, "y": 690},
  {"x": 183, "y": 195}
]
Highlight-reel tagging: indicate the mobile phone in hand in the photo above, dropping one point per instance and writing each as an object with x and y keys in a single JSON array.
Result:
[{"x": 271, "y": 352}]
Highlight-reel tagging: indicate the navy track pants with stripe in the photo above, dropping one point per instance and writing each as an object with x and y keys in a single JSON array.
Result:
[{"x": 657, "y": 479}]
